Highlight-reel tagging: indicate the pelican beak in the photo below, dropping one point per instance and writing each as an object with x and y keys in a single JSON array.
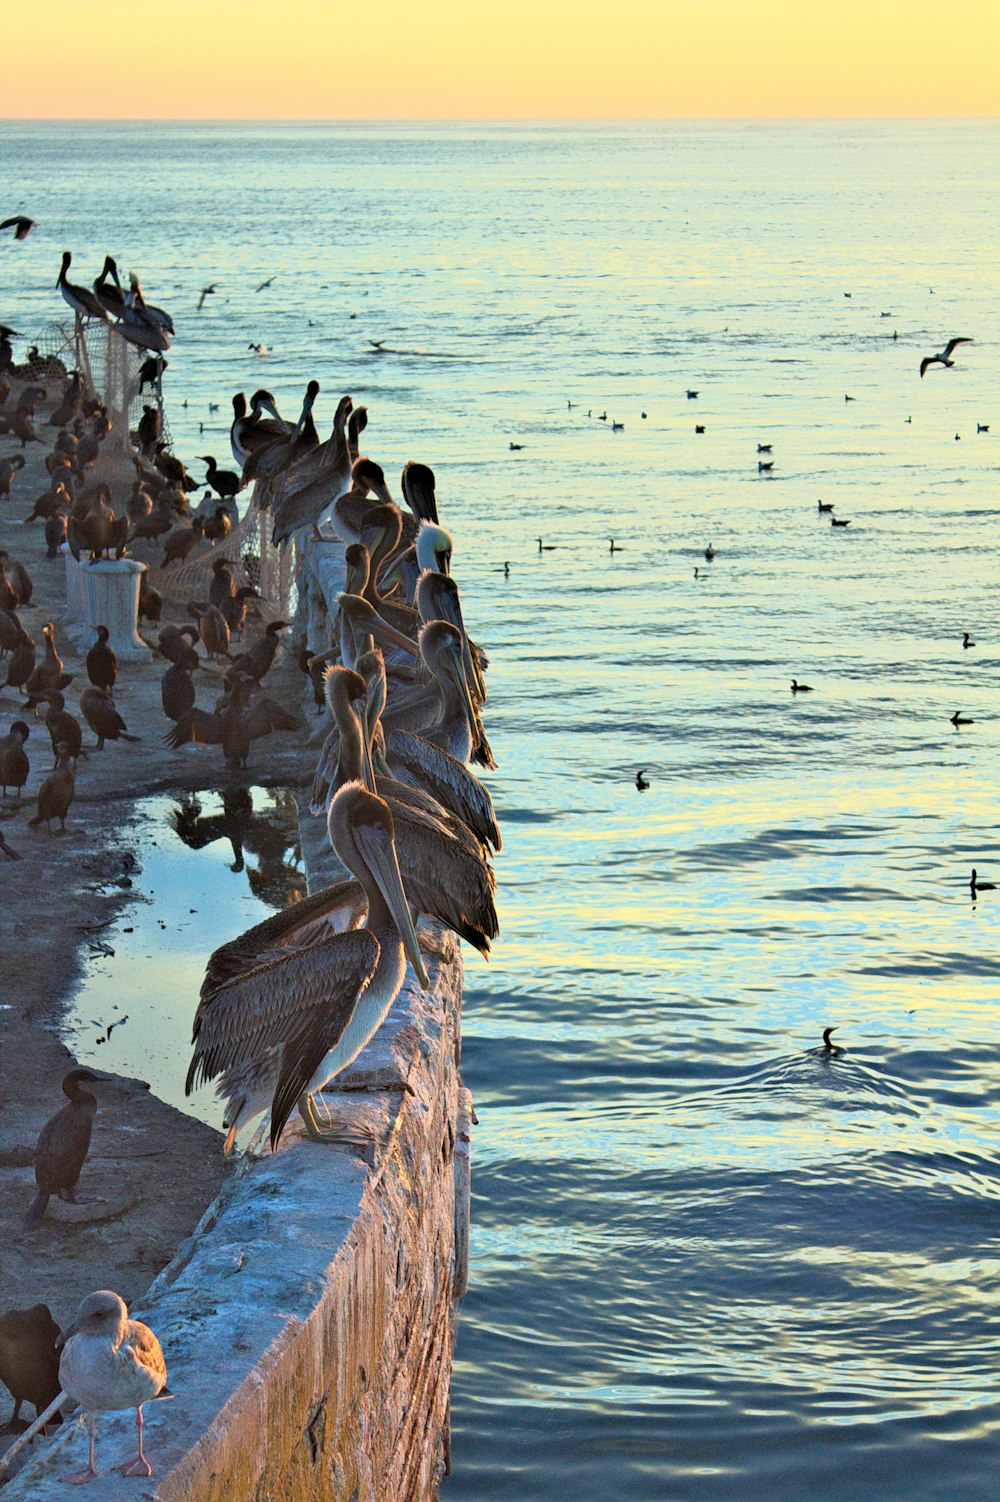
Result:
[
  {"x": 380, "y": 855},
  {"x": 456, "y": 672}
]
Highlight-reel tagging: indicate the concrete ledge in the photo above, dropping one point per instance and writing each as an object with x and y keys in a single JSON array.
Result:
[{"x": 307, "y": 1323}]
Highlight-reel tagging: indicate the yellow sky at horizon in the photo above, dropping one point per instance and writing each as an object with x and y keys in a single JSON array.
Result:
[{"x": 513, "y": 59}]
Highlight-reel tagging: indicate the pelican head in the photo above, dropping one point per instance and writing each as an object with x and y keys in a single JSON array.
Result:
[
  {"x": 443, "y": 652},
  {"x": 433, "y": 548},
  {"x": 368, "y": 476},
  {"x": 363, "y": 617},
  {"x": 358, "y": 563},
  {"x": 359, "y": 825}
]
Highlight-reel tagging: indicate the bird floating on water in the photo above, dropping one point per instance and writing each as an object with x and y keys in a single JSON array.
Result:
[
  {"x": 640, "y": 780},
  {"x": 699, "y": 427},
  {"x": 709, "y": 553},
  {"x": 546, "y": 547},
  {"x": 763, "y": 448},
  {"x": 829, "y": 1046},
  {"x": 982, "y": 427},
  {"x": 944, "y": 358},
  {"x": 967, "y": 640},
  {"x": 691, "y": 395},
  {"x": 515, "y": 448},
  {"x": 764, "y": 467},
  {"x": 836, "y": 521},
  {"x": 980, "y": 886},
  {"x": 960, "y": 719},
  {"x": 110, "y": 1362},
  {"x": 801, "y": 688},
  {"x": 824, "y": 505},
  {"x": 613, "y": 546}
]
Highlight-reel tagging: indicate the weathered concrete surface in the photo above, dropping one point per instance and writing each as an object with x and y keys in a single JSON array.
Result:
[{"x": 307, "y": 1324}]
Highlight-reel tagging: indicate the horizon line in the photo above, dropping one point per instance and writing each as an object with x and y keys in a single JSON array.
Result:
[{"x": 487, "y": 120}]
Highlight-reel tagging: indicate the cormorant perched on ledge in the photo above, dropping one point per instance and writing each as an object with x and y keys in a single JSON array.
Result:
[
  {"x": 62, "y": 1146},
  {"x": 29, "y": 1363}
]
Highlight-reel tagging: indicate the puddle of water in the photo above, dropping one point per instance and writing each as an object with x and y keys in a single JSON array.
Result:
[{"x": 210, "y": 866}]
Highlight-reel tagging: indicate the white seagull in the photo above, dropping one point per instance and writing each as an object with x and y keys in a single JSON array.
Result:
[{"x": 111, "y": 1362}]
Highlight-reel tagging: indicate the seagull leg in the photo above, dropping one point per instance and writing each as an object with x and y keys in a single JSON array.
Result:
[
  {"x": 77, "y": 1478},
  {"x": 138, "y": 1465}
]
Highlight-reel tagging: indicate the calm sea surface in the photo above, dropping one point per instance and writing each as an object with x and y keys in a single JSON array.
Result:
[{"x": 709, "y": 1262}]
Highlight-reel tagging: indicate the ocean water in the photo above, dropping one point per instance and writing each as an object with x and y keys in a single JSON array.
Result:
[{"x": 709, "y": 1262}]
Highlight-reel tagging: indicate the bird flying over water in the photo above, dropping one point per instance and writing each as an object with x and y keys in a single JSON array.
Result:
[
  {"x": 205, "y": 292},
  {"x": 264, "y": 284},
  {"x": 21, "y": 226},
  {"x": 944, "y": 358}
]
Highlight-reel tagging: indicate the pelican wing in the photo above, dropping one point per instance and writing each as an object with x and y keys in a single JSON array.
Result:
[
  {"x": 444, "y": 880},
  {"x": 337, "y": 908},
  {"x": 442, "y": 775},
  {"x": 308, "y": 992}
]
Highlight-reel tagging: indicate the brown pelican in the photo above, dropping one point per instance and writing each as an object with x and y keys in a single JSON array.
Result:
[
  {"x": 304, "y": 492},
  {"x": 418, "y": 490},
  {"x": 111, "y": 1362},
  {"x": 448, "y": 718},
  {"x": 437, "y": 599},
  {"x": 355, "y": 428},
  {"x": 285, "y": 448},
  {"x": 279, "y": 1031},
  {"x": 352, "y": 510},
  {"x": 109, "y": 292},
  {"x": 81, "y": 299},
  {"x": 443, "y": 864}
]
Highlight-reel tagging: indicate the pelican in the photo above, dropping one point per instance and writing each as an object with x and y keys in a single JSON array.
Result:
[
  {"x": 81, "y": 299},
  {"x": 448, "y": 717},
  {"x": 352, "y": 509},
  {"x": 250, "y": 433},
  {"x": 437, "y": 599},
  {"x": 281, "y": 1029},
  {"x": 314, "y": 484},
  {"x": 944, "y": 358},
  {"x": 109, "y": 293},
  {"x": 434, "y": 548},
  {"x": 418, "y": 490}
]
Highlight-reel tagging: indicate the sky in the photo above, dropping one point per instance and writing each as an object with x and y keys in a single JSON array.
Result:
[{"x": 510, "y": 59}]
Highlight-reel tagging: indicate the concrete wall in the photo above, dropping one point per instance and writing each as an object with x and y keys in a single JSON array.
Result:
[{"x": 308, "y": 1323}]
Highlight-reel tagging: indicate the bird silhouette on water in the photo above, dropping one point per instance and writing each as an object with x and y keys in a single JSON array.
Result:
[
  {"x": 967, "y": 640},
  {"x": 975, "y": 885},
  {"x": 824, "y": 505},
  {"x": 546, "y": 547},
  {"x": 831, "y": 1049},
  {"x": 801, "y": 688},
  {"x": 958, "y": 718},
  {"x": 642, "y": 784}
]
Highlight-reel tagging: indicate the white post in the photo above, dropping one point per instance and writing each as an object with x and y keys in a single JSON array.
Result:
[{"x": 111, "y": 598}]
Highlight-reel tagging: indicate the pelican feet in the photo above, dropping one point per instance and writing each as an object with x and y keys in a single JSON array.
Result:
[
  {"x": 334, "y": 1133},
  {"x": 374, "y": 1080}
]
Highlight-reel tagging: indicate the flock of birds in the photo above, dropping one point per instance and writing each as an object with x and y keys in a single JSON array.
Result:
[{"x": 286, "y": 1006}]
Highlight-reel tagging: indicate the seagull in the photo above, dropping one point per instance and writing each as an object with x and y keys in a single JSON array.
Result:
[
  {"x": 801, "y": 688},
  {"x": 967, "y": 640},
  {"x": 265, "y": 284},
  {"x": 205, "y": 292},
  {"x": 944, "y": 358},
  {"x": 980, "y": 886},
  {"x": 21, "y": 226},
  {"x": 958, "y": 718},
  {"x": 110, "y": 1362},
  {"x": 642, "y": 784}
]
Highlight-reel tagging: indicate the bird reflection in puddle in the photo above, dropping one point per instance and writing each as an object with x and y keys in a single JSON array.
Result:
[{"x": 269, "y": 834}]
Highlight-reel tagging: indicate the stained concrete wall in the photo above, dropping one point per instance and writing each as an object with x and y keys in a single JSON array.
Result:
[{"x": 308, "y": 1323}]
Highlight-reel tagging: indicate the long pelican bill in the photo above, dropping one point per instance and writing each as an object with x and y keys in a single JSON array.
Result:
[
  {"x": 362, "y": 612},
  {"x": 380, "y": 857}
]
